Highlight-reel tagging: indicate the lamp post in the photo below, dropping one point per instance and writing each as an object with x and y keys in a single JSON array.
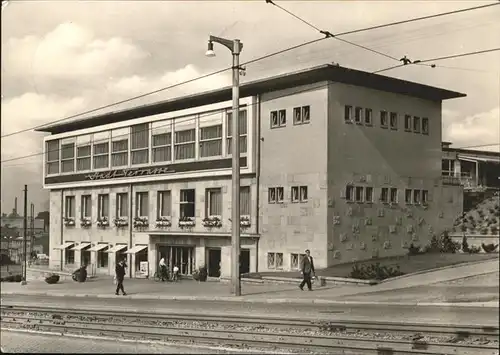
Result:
[{"x": 235, "y": 46}]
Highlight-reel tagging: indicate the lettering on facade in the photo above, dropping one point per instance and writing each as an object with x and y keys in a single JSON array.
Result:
[{"x": 127, "y": 173}]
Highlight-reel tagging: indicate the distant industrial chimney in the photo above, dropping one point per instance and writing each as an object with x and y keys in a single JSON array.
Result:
[{"x": 15, "y": 206}]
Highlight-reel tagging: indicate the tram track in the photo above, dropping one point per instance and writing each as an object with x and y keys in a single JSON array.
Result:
[{"x": 294, "y": 335}]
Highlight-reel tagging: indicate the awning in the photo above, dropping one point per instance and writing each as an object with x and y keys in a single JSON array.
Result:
[
  {"x": 80, "y": 246},
  {"x": 98, "y": 247},
  {"x": 136, "y": 249},
  {"x": 64, "y": 246},
  {"x": 476, "y": 158},
  {"x": 117, "y": 248}
]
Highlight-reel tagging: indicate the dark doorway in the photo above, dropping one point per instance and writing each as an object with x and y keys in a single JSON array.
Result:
[
  {"x": 214, "y": 259},
  {"x": 244, "y": 261}
]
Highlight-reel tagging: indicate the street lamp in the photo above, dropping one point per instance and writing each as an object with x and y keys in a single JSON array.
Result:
[{"x": 235, "y": 46}]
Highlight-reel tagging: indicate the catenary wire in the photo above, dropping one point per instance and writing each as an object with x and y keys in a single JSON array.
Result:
[{"x": 257, "y": 59}]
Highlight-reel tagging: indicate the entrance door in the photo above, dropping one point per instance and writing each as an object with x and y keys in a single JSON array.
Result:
[
  {"x": 244, "y": 261},
  {"x": 214, "y": 259}
]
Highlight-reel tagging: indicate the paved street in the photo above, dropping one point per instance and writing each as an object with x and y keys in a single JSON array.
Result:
[{"x": 14, "y": 342}]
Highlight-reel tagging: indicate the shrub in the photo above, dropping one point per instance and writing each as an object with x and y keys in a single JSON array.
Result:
[
  {"x": 52, "y": 279},
  {"x": 463, "y": 228},
  {"x": 489, "y": 248},
  {"x": 474, "y": 250},
  {"x": 494, "y": 230},
  {"x": 374, "y": 272},
  {"x": 413, "y": 250},
  {"x": 443, "y": 244},
  {"x": 484, "y": 230}
]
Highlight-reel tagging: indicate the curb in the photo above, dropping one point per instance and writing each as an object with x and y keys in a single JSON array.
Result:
[{"x": 263, "y": 300}]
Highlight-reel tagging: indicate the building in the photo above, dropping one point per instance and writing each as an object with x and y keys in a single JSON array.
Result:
[{"x": 339, "y": 161}]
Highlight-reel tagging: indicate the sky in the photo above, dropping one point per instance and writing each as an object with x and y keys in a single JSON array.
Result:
[{"x": 61, "y": 58}]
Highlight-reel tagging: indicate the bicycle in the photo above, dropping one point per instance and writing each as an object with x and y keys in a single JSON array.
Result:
[{"x": 157, "y": 276}]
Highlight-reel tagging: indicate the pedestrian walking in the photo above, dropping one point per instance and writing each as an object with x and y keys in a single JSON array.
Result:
[
  {"x": 120, "y": 275},
  {"x": 306, "y": 268},
  {"x": 163, "y": 269}
]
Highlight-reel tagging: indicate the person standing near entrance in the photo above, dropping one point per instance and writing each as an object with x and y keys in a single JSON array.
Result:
[
  {"x": 120, "y": 275},
  {"x": 163, "y": 269},
  {"x": 307, "y": 267}
]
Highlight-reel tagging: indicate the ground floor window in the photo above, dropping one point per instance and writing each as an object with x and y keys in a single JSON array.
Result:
[
  {"x": 296, "y": 260},
  {"x": 102, "y": 259},
  {"x": 275, "y": 260},
  {"x": 85, "y": 258},
  {"x": 140, "y": 257},
  {"x": 182, "y": 256},
  {"x": 69, "y": 256}
]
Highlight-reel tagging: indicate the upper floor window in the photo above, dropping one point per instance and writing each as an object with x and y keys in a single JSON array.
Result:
[
  {"x": 276, "y": 194},
  {"x": 161, "y": 133},
  {"x": 184, "y": 145},
  {"x": 408, "y": 196},
  {"x": 393, "y": 195},
  {"x": 119, "y": 147},
  {"x": 369, "y": 194},
  {"x": 383, "y": 119},
  {"x": 299, "y": 193},
  {"x": 139, "y": 143},
  {"x": 301, "y": 115},
  {"x": 122, "y": 205},
  {"x": 408, "y": 123},
  {"x": 214, "y": 203},
  {"x": 358, "y": 113},
  {"x": 425, "y": 197},
  {"x": 101, "y": 150},
  {"x": 86, "y": 208},
  {"x": 52, "y": 157},
  {"x": 142, "y": 204},
  {"x": 103, "y": 205},
  {"x": 394, "y": 120},
  {"x": 348, "y": 114},
  {"x": 368, "y": 117},
  {"x": 211, "y": 140},
  {"x": 67, "y": 157},
  {"x": 278, "y": 118},
  {"x": 416, "y": 197},
  {"x": 83, "y": 153},
  {"x": 69, "y": 207},
  {"x": 187, "y": 203},
  {"x": 245, "y": 201},
  {"x": 425, "y": 125},
  {"x": 164, "y": 204},
  {"x": 243, "y": 132},
  {"x": 416, "y": 124}
]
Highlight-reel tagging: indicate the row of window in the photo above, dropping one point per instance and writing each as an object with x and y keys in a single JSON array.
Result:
[
  {"x": 298, "y": 194},
  {"x": 360, "y": 115},
  {"x": 301, "y": 115},
  {"x": 275, "y": 260},
  {"x": 143, "y": 144},
  {"x": 213, "y": 204},
  {"x": 387, "y": 195}
]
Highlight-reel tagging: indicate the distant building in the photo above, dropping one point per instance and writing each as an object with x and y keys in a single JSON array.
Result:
[{"x": 339, "y": 161}]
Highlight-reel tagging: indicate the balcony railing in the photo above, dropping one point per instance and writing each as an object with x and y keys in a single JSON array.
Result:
[{"x": 458, "y": 179}]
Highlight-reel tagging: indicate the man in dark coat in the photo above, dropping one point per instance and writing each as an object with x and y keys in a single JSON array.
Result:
[
  {"x": 120, "y": 275},
  {"x": 307, "y": 267}
]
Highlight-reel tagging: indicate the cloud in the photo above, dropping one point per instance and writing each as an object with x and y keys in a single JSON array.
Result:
[{"x": 473, "y": 130}]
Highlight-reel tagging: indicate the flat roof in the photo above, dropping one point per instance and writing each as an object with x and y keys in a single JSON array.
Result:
[
  {"x": 471, "y": 151},
  {"x": 313, "y": 75}
]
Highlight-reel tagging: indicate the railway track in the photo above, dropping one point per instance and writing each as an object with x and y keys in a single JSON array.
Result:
[{"x": 270, "y": 334}]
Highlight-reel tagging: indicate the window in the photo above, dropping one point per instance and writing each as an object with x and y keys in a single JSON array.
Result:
[
  {"x": 69, "y": 256},
  {"x": 359, "y": 194},
  {"x": 408, "y": 196},
  {"x": 103, "y": 206},
  {"x": 161, "y": 141},
  {"x": 299, "y": 193},
  {"x": 394, "y": 195},
  {"x": 245, "y": 201},
  {"x": 348, "y": 114},
  {"x": 139, "y": 143},
  {"x": 448, "y": 167},
  {"x": 278, "y": 118},
  {"x": 164, "y": 204},
  {"x": 213, "y": 203},
  {"x": 184, "y": 145},
  {"x": 416, "y": 124},
  {"x": 276, "y": 194},
  {"x": 394, "y": 120},
  {"x": 122, "y": 205},
  {"x": 67, "y": 157},
  {"x": 83, "y": 158},
  {"x": 69, "y": 207},
  {"x": 296, "y": 260},
  {"x": 102, "y": 258},
  {"x": 358, "y": 112},
  {"x": 243, "y": 132},
  {"x": 408, "y": 123},
  {"x": 52, "y": 154},
  {"x": 187, "y": 203},
  {"x": 416, "y": 197},
  {"x": 142, "y": 204},
  {"x": 119, "y": 147},
  {"x": 368, "y": 117},
  {"x": 301, "y": 115},
  {"x": 369, "y": 194},
  {"x": 86, "y": 211},
  {"x": 425, "y": 125},
  {"x": 383, "y": 119},
  {"x": 349, "y": 193},
  {"x": 211, "y": 141},
  {"x": 425, "y": 197},
  {"x": 384, "y": 195},
  {"x": 275, "y": 260},
  {"x": 101, "y": 155}
]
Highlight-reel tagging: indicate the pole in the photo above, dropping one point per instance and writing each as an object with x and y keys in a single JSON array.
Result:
[
  {"x": 235, "y": 230},
  {"x": 25, "y": 230},
  {"x": 32, "y": 225}
]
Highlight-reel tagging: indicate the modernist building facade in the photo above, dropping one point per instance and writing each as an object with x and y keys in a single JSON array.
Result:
[{"x": 338, "y": 161}]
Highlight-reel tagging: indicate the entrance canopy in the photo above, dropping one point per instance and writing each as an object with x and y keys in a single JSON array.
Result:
[
  {"x": 98, "y": 247},
  {"x": 117, "y": 248},
  {"x": 65, "y": 245},
  {"x": 136, "y": 249},
  {"x": 80, "y": 246}
]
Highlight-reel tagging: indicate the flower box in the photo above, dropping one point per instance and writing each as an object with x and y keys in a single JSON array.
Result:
[
  {"x": 85, "y": 222},
  {"x": 120, "y": 222},
  {"x": 141, "y": 222},
  {"x": 163, "y": 222},
  {"x": 69, "y": 221},
  {"x": 185, "y": 222},
  {"x": 211, "y": 222},
  {"x": 245, "y": 222},
  {"x": 103, "y": 222}
]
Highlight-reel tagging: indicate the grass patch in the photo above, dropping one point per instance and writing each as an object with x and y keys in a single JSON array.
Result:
[{"x": 407, "y": 264}]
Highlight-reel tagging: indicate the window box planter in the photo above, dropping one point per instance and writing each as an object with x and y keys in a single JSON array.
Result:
[
  {"x": 185, "y": 222},
  {"x": 245, "y": 222},
  {"x": 69, "y": 221},
  {"x": 103, "y": 222},
  {"x": 211, "y": 222},
  {"x": 141, "y": 222},
  {"x": 120, "y": 222},
  {"x": 163, "y": 222},
  {"x": 85, "y": 222}
]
